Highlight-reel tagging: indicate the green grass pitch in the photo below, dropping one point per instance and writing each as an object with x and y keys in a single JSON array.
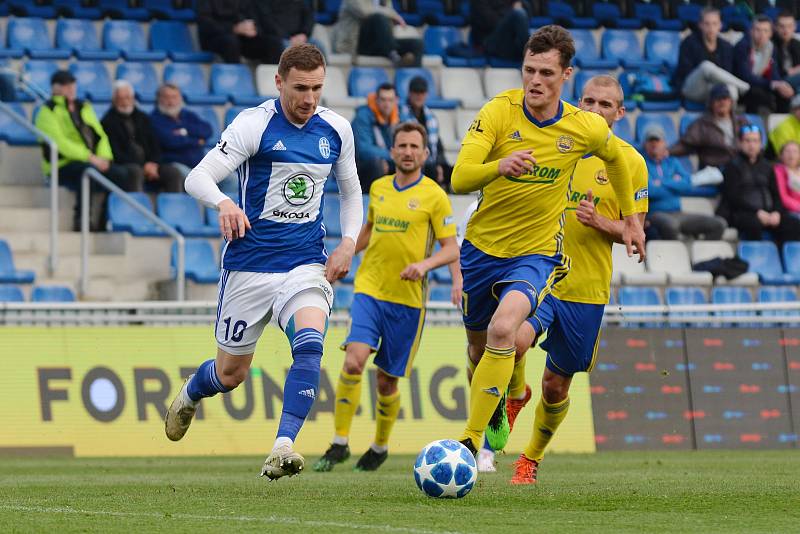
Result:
[{"x": 720, "y": 491}]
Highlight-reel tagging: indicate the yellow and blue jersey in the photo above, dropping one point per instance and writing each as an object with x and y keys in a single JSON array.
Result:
[{"x": 405, "y": 224}]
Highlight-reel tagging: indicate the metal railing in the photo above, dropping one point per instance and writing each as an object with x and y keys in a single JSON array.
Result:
[
  {"x": 52, "y": 262},
  {"x": 93, "y": 174}
]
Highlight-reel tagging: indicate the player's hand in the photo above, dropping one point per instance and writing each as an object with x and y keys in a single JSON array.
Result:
[
  {"x": 232, "y": 220},
  {"x": 585, "y": 210},
  {"x": 415, "y": 271},
  {"x": 338, "y": 264},
  {"x": 455, "y": 294},
  {"x": 517, "y": 163},
  {"x": 633, "y": 237}
]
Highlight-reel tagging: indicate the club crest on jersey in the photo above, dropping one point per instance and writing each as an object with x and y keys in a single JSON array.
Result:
[
  {"x": 298, "y": 189},
  {"x": 413, "y": 204},
  {"x": 564, "y": 143},
  {"x": 601, "y": 177},
  {"x": 324, "y": 147}
]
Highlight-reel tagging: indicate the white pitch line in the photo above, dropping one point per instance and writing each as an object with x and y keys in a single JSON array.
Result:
[{"x": 243, "y": 518}]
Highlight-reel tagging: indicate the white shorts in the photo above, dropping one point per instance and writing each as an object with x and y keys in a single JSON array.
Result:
[{"x": 248, "y": 301}]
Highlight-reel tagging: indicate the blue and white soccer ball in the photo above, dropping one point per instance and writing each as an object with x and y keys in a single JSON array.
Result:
[{"x": 445, "y": 469}]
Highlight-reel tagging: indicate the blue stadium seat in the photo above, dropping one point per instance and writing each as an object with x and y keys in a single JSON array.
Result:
[
  {"x": 622, "y": 129},
  {"x": 191, "y": 80},
  {"x": 127, "y": 38},
  {"x": 403, "y": 77},
  {"x": 79, "y": 37},
  {"x": 231, "y": 114},
  {"x": 12, "y": 132},
  {"x": 331, "y": 185},
  {"x": 581, "y": 77},
  {"x": 791, "y": 257},
  {"x": 37, "y": 72},
  {"x": 122, "y": 9},
  {"x": 628, "y": 80},
  {"x": 10, "y": 293},
  {"x": 124, "y": 218},
  {"x": 439, "y": 294},
  {"x": 9, "y": 274},
  {"x": 764, "y": 260},
  {"x": 142, "y": 76},
  {"x": 31, "y": 35},
  {"x": 165, "y": 9},
  {"x": 586, "y": 53},
  {"x": 52, "y": 294},
  {"x": 9, "y": 52},
  {"x": 682, "y": 296},
  {"x": 640, "y": 296},
  {"x": 688, "y": 13},
  {"x": 234, "y": 81},
  {"x": 342, "y": 297},
  {"x": 777, "y": 294},
  {"x": 200, "y": 262},
  {"x": 330, "y": 216},
  {"x": 93, "y": 81},
  {"x": 663, "y": 120},
  {"x": 364, "y": 80},
  {"x": 208, "y": 114},
  {"x": 185, "y": 214},
  {"x": 442, "y": 275},
  {"x": 330, "y": 244},
  {"x": 211, "y": 220},
  {"x": 623, "y": 46},
  {"x": 76, "y": 9},
  {"x": 687, "y": 119},
  {"x": 350, "y": 277},
  {"x": 610, "y": 15},
  {"x": 32, "y": 9},
  {"x": 663, "y": 46},
  {"x": 564, "y": 14},
  {"x": 652, "y": 16},
  {"x": 174, "y": 38},
  {"x": 732, "y": 295},
  {"x": 434, "y": 11},
  {"x": 436, "y": 39},
  {"x": 735, "y": 17}
]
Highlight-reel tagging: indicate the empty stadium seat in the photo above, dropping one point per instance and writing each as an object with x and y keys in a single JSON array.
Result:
[
  {"x": 688, "y": 13},
  {"x": 29, "y": 8},
  {"x": 586, "y": 53},
  {"x": 454, "y": 82},
  {"x": 629, "y": 271},
  {"x": 663, "y": 46},
  {"x": 79, "y": 37},
  {"x": 350, "y": 277},
  {"x": 32, "y": 36},
  {"x": 687, "y": 119},
  {"x": 672, "y": 259},
  {"x": 77, "y": 9},
  {"x": 498, "y": 80},
  {"x": 13, "y": 132},
  {"x": 702, "y": 250},
  {"x": 610, "y": 14},
  {"x": 93, "y": 81},
  {"x": 38, "y": 73},
  {"x": 234, "y": 81},
  {"x": 682, "y": 296},
  {"x": 52, "y": 293},
  {"x": 231, "y": 114},
  {"x": 142, "y": 76},
  {"x": 564, "y": 14},
  {"x": 185, "y": 214},
  {"x": 735, "y": 17},
  {"x": 123, "y": 217},
  {"x": 200, "y": 263},
  {"x": 122, "y": 9},
  {"x": 439, "y": 294},
  {"x": 777, "y": 294},
  {"x": 126, "y": 37},
  {"x": 732, "y": 295},
  {"x": 265, "y": 80},
  {"x": 335, "y": 92},
  {"x": 166, "y": 9},
  {"x": 342, "y": 297},
  {"x": 9, "y": 52},
  {"x": 191, "y": 80},
  {"x": 665, "y": 121},
  {"x": 437, "y": 39},
  {"x": 403, "y": 78},
  {"x": 9, "y": 293},
  {"x": 9, "y": 274},
  {"x": 174, "y": 38},
  {"x": 764, "y": 259},
  {"x": 623, "y": 46},
  {"x": 622, "y": 129},
  {"x": 330, "y": 216},
  {"x": 791, "y": 258},
  {"x": 208, "y": 114},
  {"x": 581, "y": 77},
  {"x": 652, "y": 16},
  {"x": 364, "y": 80},
  {"x": 640, "y": 296}
]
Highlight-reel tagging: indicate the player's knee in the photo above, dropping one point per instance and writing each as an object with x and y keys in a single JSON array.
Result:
[
  {"x": 231, "y": 378},
  {"x": 387, "y": 385},
  {"x": 503, "y": 330},
  {"x": 354, "y": 363},
  {"x": 554, "y": 389}
]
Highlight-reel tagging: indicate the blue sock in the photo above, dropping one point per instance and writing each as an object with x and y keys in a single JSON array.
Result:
[
  {"x": 486, "y": 444},
  {"x": 205, "y": 382},
  {"x": 302, "y": 382}
]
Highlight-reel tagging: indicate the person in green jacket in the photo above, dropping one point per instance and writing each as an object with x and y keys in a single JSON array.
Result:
[
  {"x": 82, "y": 143},
  {"x": 789, "y": 129}
]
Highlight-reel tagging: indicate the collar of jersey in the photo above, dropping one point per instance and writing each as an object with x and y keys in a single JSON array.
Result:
[
  {"x": 409, "y": 186},
  {"x": 279, "y": 111},
  {"x": 587, "y": 155},
  {"x": 548, "y": 122}
]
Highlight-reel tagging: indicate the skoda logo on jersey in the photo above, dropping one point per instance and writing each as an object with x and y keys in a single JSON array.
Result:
[
  {"x": 564, "y": 143},
  {"x": 298, "y": 189},
  {"x": 324, "y": 147}
]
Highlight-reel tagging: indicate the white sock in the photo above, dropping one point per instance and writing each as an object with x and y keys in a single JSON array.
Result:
[
  {"x": 280, "y": 442},
  {"x": 184, "y": 393},
  {"x": 340, "y": 440},
  {"x": 378, "y": 448}
]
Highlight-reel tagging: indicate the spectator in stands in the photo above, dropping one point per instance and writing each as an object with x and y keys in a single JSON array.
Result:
[
  {"x": 705, "y": 59},
  {"x": 787, "y": 175},
  {"x": 754, "y": 62},
  {"x": 713, "y": 135},
  {"x": 82, "y": 143},
  {"x": 228, "y": 28},
  {"x": 181, "y": 133},
  {"x": 500, "y": 27},
  {"x": 290, "y": 20},
  {"x": 668, "y": 180},
  {"x": 788, "y": 130},
  {"x": 787, "y": 49},
  {"x": 436, "y": 166},
  {"x": 372, "y": 129},
  {"x": 750, "y": 200},
  {"x": 134, "y": 143},
  {"x": 366, "y": 27}
]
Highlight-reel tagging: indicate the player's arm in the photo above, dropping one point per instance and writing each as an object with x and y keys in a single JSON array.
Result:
[
  {"x": 363, "y": 237},
  {"x": 588, "y": 216},
  {"x": 238, "y": 142},
  {"x": 448, "y": 253},
  {"x": 457, "y": 286}
]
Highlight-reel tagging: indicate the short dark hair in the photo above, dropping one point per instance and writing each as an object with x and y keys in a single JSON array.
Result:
[
  {"x": 385, "y": 86},
  {"x": 411, "y": 126},
  {"x": 785, "y": 14},
  {"x": 306, "y": 57},
  {"x": 552, "y": 37},
  {"x": 762, "y": 18}
]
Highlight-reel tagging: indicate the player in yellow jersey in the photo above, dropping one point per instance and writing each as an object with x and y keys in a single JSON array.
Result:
[
  {"x": 407, "y": 213},
  {"x": 571, "y": 314},
  {"x": 520, "y": 152}
]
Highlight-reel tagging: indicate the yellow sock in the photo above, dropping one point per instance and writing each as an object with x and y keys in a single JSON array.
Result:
[
  {"x": 348, "y": 396},
  {"x": 489, "y": 382},
  {"x": 516, "y": 388},
  {"x": 386, "y": 410},
  {"x": 548, "y": 417}
]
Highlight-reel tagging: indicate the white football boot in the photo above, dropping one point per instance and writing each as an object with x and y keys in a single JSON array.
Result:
[
  {"x": 180, "y": 413},
  {"x": 282, "y": 461},
  {"x": 486, "y": 461}
]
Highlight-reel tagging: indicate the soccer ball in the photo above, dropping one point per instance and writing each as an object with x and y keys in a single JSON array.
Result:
[{"x": 445, "y": 469}]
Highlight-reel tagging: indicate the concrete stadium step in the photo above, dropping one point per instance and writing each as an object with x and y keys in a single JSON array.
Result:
[
  {"x": 69, "y": 267},
  {"x": 69, "y": 243},
  {"x": 32, "y": 220},
  {"x": 20, "y": 165},
  {"x": 33, "y": 196},
  {"x": 107, "y": 289}
]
